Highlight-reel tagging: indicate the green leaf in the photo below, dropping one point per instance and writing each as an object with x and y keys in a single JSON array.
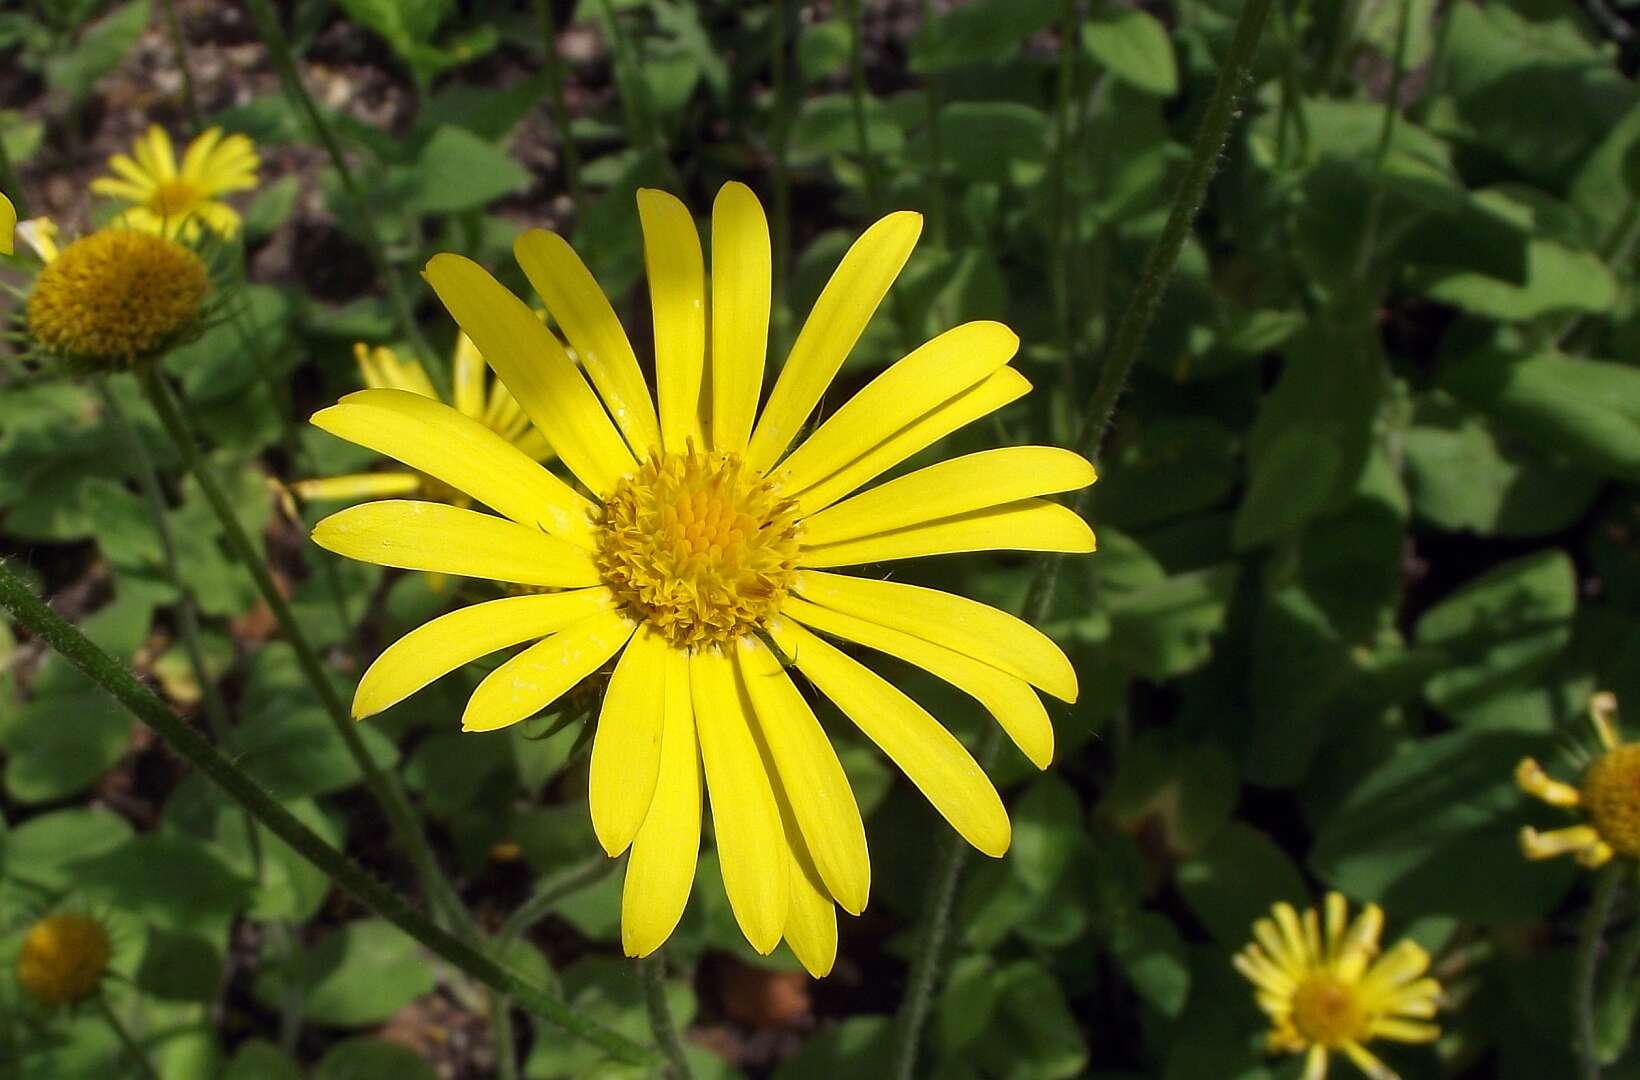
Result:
[
  {"x": 271, "y": 207},
  {"x": 825, "y": 126},
  {"x": 998, "y": 142},
  {"x": 1133, "y": 46},
  {"x": 1165, "y": 628},
  {"x": 1152, "y": 957},
  {"x": 606, "y": 990},
  {"x": 1236, "y": 879},
  {"x": 457, "y": 171},
  {"x": 1175, "y": 465},
  {"x": 987, "y": 31},
  {"x": 1183, "y": 790},
  {"x": 168, "y": 880},
  {"x": 822, "y": 49},
  {"x": 360, "y": 974},
  {"x": 257, "y": 1059},
  {"x": 42, "y": 850},
  {"x": 68, "y": 733},
  {"x": 180, "y": 966},
  {"x": 73, "y": 72},
  {"x": 372, "y": 1059},
  {"x": 858, "y": 1046}
]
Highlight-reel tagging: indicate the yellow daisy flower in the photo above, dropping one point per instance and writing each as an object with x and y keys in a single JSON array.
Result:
[
  {"x": 1323, "y": 990},
  {"x": 706, "y": 559},
  {"x": 477, "y": 396},
  {"x": 166, "y": 199},
  {"x": 8, "y": 224},
  {"x": 63, "y": 958},
  {"x": 1609, "y": 797}
]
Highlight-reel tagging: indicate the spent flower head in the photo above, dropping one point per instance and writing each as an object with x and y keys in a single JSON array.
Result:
[
  {"x": 703, "y": 554},
  {"x": 1324, "y": 986},
  {"x": 1608, "y": 795},
  {"x": 163, "y": 197},
  {"x": 64, "y": 957}
]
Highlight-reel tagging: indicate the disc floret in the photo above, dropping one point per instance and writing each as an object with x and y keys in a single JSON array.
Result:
[
  {"x": 63, "y": 958},
  {"x": 698, "y": 546}
]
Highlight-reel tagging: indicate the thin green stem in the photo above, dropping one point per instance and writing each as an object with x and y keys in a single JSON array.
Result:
[
  {"x": 1589, "y": 943},
  {"x": 179, "y": 47},
  {"x": 133, "y": 1049},
  {"x": 779, "y": 128},
  {"x": 502, "y": 1039},
  {"x": 653, "y": 971},
  {"x": 859, "y": 94},
  {"x": 1124, "y": 352},
  {"x": 382, "y": 785},
  {"x": 1386, "y": 135},
  {"x": 548, "y": 893},
  {"x": 635, "y": 89},
  {"x": 284, "y": 61},
  {"x": 1069, "y": 45},
  {"x": 560, "y": 109},
  {"x": 936, "y": 146},
  {"x": 105, "y": 671}
]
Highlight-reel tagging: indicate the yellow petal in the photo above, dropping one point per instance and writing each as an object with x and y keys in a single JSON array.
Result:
[
  {"x": 928, "y": 377},
  {"x": 741, "y": 268},
  {"x": 948, "y": 488},
  {"x": 1315, "y": 1063},
  {"x": 626, "y": 751},
  {"x": 751, "y": 847},
  {"x": 449, "y": 540},
  {"x": 193, "y": 159},
  {"x": 811, "y": 920},
  {"x": 135, "y": 174},
  {"x": 822, "y": 803},
  {"x": 956, "y": 622},
  {"x": 153, "y": 150},
  {"x": 845, "y": 306},
  {"x": 434, "y": 439},
  {"x": 929, "y": 755},
  {"x": 661, "y": 869},
  {"x": 374, "y": 485},
  {"x": 8, "y": 224},
  {"x": 677, "y": 293},
  {"x": 468, "y": 371},
  {"x": 542, "y": 673},
  {"x": 1367, "y": 1062},
  {"x": 528, "y": 358},
  {"x": 582, "y": 310},
  {"x": 990, "y": 394},
  {"x": 1026, "y": 525},
  {"x": 1008, "y": 698},
  {"x": 462, "y": 636}
]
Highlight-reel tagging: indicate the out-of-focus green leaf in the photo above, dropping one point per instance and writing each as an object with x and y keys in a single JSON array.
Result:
[
  {"x": 1133, "y": 46},
  {"x": 75, "y": 71},
  {"x": 372, "y": 1059},
  {"x": 168, "y": 880},
  {"x": 986, "y": 31},
  {"x": 1236, "y": 879},
  {"x": 456, "y": 171},
  {"x": 360, "y": 974}
]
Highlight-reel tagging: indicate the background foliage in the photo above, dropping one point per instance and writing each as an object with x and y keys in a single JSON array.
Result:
[{"x": 1367, "y": 519}]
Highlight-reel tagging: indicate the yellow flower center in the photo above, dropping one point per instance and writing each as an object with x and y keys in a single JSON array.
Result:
[
  {"x": 1611, "y": 792},
  {"x": 62, "y": 958},
  {"x": 698, "y": 546},
  {"x": 1327, "y": 1011},
  {"x": 115, "y": 295},
  {"x": 175, "y": 199}
]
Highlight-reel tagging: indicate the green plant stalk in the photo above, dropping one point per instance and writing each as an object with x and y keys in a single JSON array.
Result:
[
  {"x": 936, "y": 149},
  {"x": 1589, "y": 943},
  {"x": 653, "y": 971},
  {"x": 179, "y": 47},
  {"x": 1386, "y": 134},
  {"x": 1069, "y": 33},
  {"x": 629, "y": 73},
  {"x": 560, "y": 109},
  {"x": 382, "y": 786},
  {"x": 124, "y": 687},
  {"x": 278, "y": 46},
  {"x": 1124, "y": 353},
  {"x": 133, "y": 1049}
]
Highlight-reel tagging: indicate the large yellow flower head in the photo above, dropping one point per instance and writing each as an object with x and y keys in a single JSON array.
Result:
[
  {"x": 115, "y": 296},
  {"x": 181, "y": 200},
  {"x": 1325, "y": 988},
  {"x": 477, "y": 396},
  {"x": 705, "y": 543},
  {"x": 1609, "y": 797},
  {"x": 63, "y": 958}
]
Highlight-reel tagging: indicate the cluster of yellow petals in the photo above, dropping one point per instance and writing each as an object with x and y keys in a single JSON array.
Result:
[
  {"x": 63, "y": 958},
  {"x": 116, "y": 295},
  {"x": 1609, "y": 796}
]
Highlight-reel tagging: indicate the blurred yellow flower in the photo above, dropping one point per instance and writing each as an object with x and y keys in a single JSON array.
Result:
[
  {"x": 63, "y": 958},
  {"x": 171, "y": 200},
  {"x": 8, "y": 224},
  {"x": 1324, "y": 991},
  {"x": 1609, "y": 797},
  {"x": 704, "y": 558},
  {"x": 477, "y": 396}
]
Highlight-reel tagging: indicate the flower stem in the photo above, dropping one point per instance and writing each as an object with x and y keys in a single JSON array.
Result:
[
  {"x": 653, "y": 971},
  {"x": 278, "y": 46},
  {"x": 179, "y": 47},
  {"x": 133, "y": 1049},
  {"x": 108, "y": 673},
  {"x": 1119, "y": 361},
  {"x": 1589, "y": 944},
  {"x": 560, "y": 109},
  {"x": 382, "y": 785}
]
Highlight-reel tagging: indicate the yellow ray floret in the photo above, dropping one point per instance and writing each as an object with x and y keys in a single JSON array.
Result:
[
  {"x": 1324, "y": 986},
  {"x": 1608, "y": 796},
  {"x": 693, "y": 572}
]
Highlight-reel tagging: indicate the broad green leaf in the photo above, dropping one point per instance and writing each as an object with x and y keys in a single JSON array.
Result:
[
  {"x": 994, "y": 141},
  {"x": 372, "y": 1059},
  {"x": 456, "y": 171},
  {"x": 358, "y": 975},
  {"x": 1133, "y": 46},
  {"x": 1235, "y": 880},
  {"x": 1152, "y": 957},
  {"x": 1181, "y": 791},
  {"x": 73, "y": 72},
  {"x": 180, "y": 966},
  {"x": 169, "y": 881},
  {"x": 982, "y": 32}
]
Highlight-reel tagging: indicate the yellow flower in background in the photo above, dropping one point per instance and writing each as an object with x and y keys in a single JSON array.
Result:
[
  {"x": 1609, "y": 797},
  {"x": 477, "y": 396},
  {"x": 1325, "y": 988},
  {"x": 63, "y": 958},
  {"x": 178, "y": 200},
  {"x": 8, "y": 224},
  {"x": 706, "y": 559}
]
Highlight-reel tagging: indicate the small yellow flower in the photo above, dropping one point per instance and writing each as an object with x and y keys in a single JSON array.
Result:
[
  {"x": 176, "y": 201},
  {"x": 707, "y": 555},
  {"x": 1323, "y": 990},
  {"x": 477, "y": 396},
  {"x": 115, "y": 296},
  {"x": 1609, "y": 797},
  {"x": 63, "y": 958}
]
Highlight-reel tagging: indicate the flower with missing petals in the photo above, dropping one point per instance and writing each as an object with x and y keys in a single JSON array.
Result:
[{"x": 1608, "y": 795}]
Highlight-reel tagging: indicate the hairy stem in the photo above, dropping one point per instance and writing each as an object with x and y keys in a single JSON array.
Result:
[
  {"x": 653, "y": 971},
  {"x": 1589, "y": 944}
]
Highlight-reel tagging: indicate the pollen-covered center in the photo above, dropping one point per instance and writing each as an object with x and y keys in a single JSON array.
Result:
[
  {"x": 116, "y": 295},
  {"x": 62, "y": 958},
  {"x": 175, "y": 199},
  {"x": 698, "y": 546},
  {"x": 1326, "y": 1010},
  {"x": 1611, "y": 794}
]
